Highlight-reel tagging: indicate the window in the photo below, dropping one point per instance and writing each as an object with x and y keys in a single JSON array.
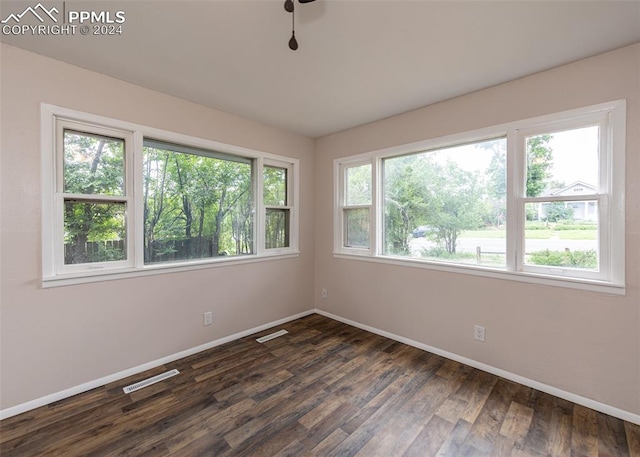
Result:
[
  {"x": 562, "y": 196},
  {"x": 534, "y": 200},
  {"x": 198, "y": 204},
  {"x": 447, "y": 204},
  {"x": 121, "y": 198},
  {"x": 93, "y": 196},
  {"x": 356, "y": 206},
  {"x": 276, "y": 197}
]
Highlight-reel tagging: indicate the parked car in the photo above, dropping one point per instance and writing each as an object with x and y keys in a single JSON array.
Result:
[{"x": 422, "y": 231}]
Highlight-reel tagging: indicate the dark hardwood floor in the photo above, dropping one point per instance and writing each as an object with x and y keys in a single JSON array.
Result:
[{"x": 324, "y": 389}]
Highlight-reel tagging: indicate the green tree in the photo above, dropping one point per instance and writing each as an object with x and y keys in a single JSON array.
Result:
[
  {"x": 358, "y": 185},
  {"x": 557, "y": 211},
  {"x": 275, "y": 198},
  {"x": 93, "y": 165},
  {"x": 455, "y": 204},
  {"x": 405, "y": 200},
  {"x": 496, "y": 182},
  {"x": 539, "y": 161},
  {"x": 155, "y": 177},
  {"x": 196, "y": 206},
  {"x": 420, "y": 191}
]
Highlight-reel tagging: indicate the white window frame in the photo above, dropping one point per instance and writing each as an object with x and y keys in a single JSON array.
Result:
[
  {"x": 55, "y": 273},
  {"x": 611, "y": 117},
  {"x": 292, "y": 197},
  {"x": 61, "y": 196},
  {"x": 342, "y": 206}
]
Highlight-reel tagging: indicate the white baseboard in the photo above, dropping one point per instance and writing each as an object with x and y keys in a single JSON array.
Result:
[
  {"x": 47, "y": 399},
  {"x": 589, "y": 403}
]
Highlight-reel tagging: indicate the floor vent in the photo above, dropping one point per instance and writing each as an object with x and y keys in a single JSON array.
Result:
[
  {"x": 271, "y": 336},
  {"x": 147, "y": 382}
]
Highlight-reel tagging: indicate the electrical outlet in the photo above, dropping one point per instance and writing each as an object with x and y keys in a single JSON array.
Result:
[
  {"x": 208, "y": 318},
  {"x": 478, "y": 333},
  {"x": 324, "y": 293}
]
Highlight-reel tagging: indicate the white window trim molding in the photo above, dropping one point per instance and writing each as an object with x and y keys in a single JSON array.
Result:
[
  {"x": 53, "y": 276},
  {"x": 614, "y": 167},
  {"x": 293, "y": 195},
  {"x": 340, "y": 206}
]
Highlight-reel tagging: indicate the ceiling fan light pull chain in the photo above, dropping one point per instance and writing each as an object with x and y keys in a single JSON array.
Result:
[{"x": 293, "y": 43}]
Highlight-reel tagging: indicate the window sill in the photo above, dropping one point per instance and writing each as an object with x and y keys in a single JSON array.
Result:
[
  {"x": 149, "y": 270},
  {"x": 532, "y": 278}
]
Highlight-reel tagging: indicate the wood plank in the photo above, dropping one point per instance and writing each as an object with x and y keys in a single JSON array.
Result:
[
  {"x": 559, "y": 442},
  {"x": 376, "y": 422},
  {"x": 476, "y": 393},
  {"x": 452, "y": 409},
  {"x": 431, "y": 438},
  {"x": 402, "y": 428},
  {"x": 541, "y": 423},
  {"x": 517, "y": 421},
  {"x": 632, "y": 432},
  {"x": 329, "y": 443},
  {"x": 321, "y": 411},
  {"x": 612, "y": 439},
  {"x": 452, "y": 445},
  {"x": 584, "y": 437},
  {"x": 633, "y": 438},
  {"x": 494, "y": 410},
  {"x": 320, "y": 431}
]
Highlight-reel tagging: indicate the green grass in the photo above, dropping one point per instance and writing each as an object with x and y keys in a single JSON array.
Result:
[
  {"x": 536, "y": 234},
  {"x": 578, "y": 234},
  {"x": 484, "y": 234},
  {"x": 497, "y": 234},
  {"x": 491, "y": 260}
]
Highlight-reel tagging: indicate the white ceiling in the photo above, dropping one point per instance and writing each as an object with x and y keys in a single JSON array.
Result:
[{"x": 358, "y": 60}]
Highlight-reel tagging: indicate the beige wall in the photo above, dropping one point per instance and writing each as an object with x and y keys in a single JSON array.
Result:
[
  {"x": 586, "y": 343},
  {"x": 54, "y": 339}
]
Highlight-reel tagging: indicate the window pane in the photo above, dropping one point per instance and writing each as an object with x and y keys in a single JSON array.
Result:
[
  {"x": 94, "y": 232},
  {"x": 356, "y": 227},
  {"x": 93, "y": 164},
  {"x": 195, "y": 206},
  {"x": 358, "y": 185},
  {"x": 277, "y": 228},
  {"x": 562, "y": 234},
  {"x": 275, "y": 186},
  {"x": 448, "y": 204},
  {"x": 552, "y": 160}
]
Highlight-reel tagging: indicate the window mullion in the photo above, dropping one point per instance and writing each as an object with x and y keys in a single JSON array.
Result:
[
  {"x": 260, "y": 210},
  {"x": 562, "y": 198},
  {"x": 59, "y": 233},
  {"x": 605, "y": 251},
  {"x": 376, "y": 206},
  {"x": 515, "y": 205},
  {"x": 135, "y": 172},
  {"x": 95, "y": 198}
]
